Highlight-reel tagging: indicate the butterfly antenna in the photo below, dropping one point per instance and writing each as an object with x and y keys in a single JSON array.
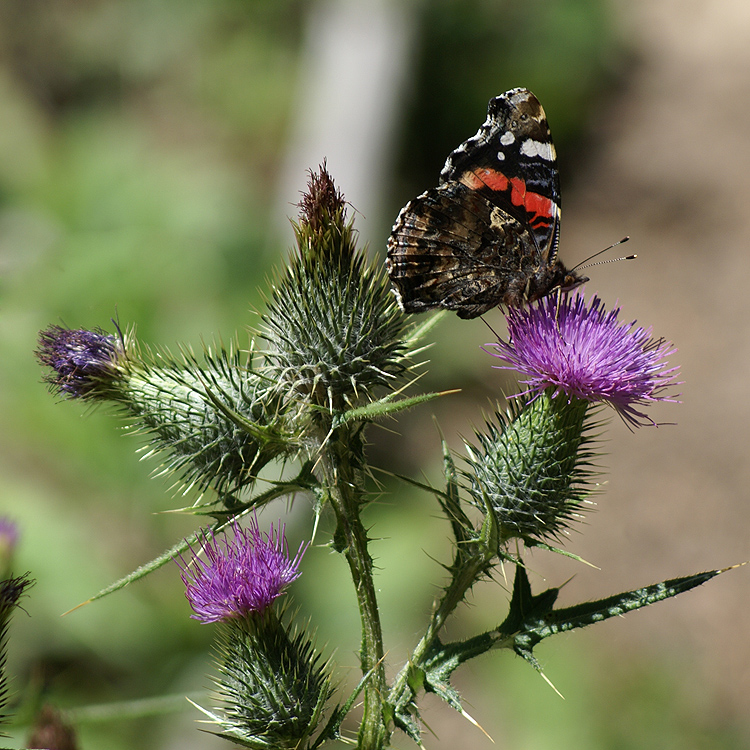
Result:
[{"x": 585, "y": 263}]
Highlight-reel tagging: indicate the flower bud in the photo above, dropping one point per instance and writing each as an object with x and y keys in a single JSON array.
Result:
[
  {"x": 333, "y": 327},
  {"x": 532, "y": 467}
]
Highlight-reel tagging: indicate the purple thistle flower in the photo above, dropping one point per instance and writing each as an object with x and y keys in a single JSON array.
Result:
[
  {"x": 588, "y": 354},
  {"x": 240, "y": 576},
  {"x": 80, "y": 359}
]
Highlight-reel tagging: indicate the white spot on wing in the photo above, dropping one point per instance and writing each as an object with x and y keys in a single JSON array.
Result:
[
  {"x": 500, "y": 156},
  {"x": 534, "y": 148},
  {"x": 507, "y": 138}
]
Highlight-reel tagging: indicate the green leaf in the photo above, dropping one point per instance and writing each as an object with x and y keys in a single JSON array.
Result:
[
  {"x": 441, "y": 661},
  {"x": 531, "y": 618},
  {"x": 450, "y": 502},
  {"x": 384, "y": 407},
  {"x": 150, "y": 567},
  {"x": 304, "y": 481},
  {"x": 405, "y": 710},
  {"x": 539, "y": 626},
  {"x": 524, "y": 605}
]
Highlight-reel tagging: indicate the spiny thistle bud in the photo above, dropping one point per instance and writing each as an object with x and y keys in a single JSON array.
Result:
[
  {"x": 11, "y": 591},
  {"x": 333, "y": 327},
  {"x": 215, "y": 419},
  {"x": 323, "y": 233},
  {"x": 272, "y": 686},
  {"x": 532, "y": 468}
]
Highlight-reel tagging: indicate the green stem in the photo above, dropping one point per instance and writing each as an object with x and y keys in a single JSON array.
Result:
[
  {"x": 344, "y": 481},
  {"x": 464, "y": 577}
]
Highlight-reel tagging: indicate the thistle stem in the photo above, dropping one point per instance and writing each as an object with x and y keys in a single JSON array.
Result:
[
  {"x": 344, "y": 481},
  {"x": 464, "y": 577}
]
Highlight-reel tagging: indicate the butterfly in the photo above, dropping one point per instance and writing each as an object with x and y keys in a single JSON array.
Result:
[{"x": 488, "y": 234}]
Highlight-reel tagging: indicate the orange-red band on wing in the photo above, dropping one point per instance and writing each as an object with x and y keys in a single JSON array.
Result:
[{"x": 540, "y": 208}]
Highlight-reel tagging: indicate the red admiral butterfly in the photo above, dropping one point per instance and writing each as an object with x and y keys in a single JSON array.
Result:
[{"x": 488, "y": 234}]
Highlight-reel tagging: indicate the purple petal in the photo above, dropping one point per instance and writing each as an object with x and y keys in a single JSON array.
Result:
[
  {"x": 587, "y": 353},
  {"x": 232, "y": 578}
]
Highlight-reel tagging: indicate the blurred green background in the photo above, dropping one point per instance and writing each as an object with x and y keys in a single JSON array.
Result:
[{"x": 149, "y": 154}]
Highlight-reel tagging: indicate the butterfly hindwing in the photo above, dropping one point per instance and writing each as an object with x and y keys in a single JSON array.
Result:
[{"x": 453, "y": 248}]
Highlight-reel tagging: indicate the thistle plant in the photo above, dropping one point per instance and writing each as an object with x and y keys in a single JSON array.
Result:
[{"x": 288, "y": 417}]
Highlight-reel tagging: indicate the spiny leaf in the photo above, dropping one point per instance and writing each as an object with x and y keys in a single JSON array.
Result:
[
  {"x": 304, "y": 481},
  {"x": 144, "y": 570},
  {"x": 450, "y": 502},
  {"x": 385, "y": 406},
  {"x": 538, "y": 627}
]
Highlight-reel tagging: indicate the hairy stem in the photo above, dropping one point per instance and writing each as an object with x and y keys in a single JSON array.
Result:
[
  {"x": 464, "y": 577},
  {"x": 344, "y": 481}
]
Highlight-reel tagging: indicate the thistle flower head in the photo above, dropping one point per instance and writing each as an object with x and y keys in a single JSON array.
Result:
[
  {"x": 82, "y": 361},
  {"x": 233, "y": 578},
  {"x": 586, "y": 353}
]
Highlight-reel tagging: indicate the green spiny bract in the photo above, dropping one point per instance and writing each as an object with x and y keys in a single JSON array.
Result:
[
  {"x": 334, "y": 330},
  {"x": 216, "y": 419},
  {"x": 272, "y": 685},
  {"x": 532, "y": 466},
  {"x": 11, "y": 591}
]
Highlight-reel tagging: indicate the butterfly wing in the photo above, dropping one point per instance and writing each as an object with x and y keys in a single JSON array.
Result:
[
  {"x": 453, "y": 248},
  {"x": 488, "y": 234},
  {"x": 512, "y": 162}
]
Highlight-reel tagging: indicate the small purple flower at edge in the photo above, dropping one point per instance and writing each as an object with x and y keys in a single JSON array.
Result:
[
  {"x": 80, "y": 359},
  {"x": 232, "y": 578},
  {"x": 587, "y": 353},
  {"x": 8, "y": 542},
  {"x": 8, "y": 535}
]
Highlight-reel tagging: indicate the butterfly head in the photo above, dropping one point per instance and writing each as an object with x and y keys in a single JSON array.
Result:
[{"x": 550, "y": 278}]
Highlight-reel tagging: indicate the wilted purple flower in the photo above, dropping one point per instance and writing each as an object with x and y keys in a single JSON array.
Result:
[
  {"x": 234, "y": 578},
  {"x": 81, "y": 360},
  {"x": 587, "y": 353}
]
